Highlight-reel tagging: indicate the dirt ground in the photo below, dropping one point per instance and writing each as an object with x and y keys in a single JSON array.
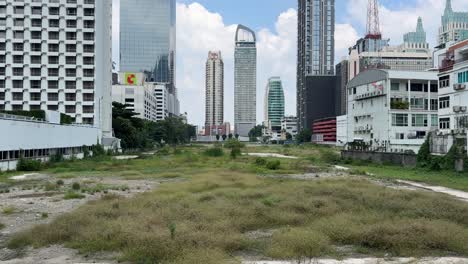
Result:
[{"x": 27, "y": 204}]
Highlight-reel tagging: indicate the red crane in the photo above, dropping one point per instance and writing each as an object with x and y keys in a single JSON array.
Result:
[{"x": 373, "y": 21}]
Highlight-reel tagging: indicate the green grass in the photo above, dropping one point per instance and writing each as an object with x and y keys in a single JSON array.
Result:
[
  {"x": 207, "y": 218},
  {"x": 2, "y": 226},
  {"x": 9, "y": 210},
  {"x": 440, "y": 178},
  {"x": 73, "y": 195}
]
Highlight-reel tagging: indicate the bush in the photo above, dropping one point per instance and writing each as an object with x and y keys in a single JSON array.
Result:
[
  {"x": 55, "y": 158},
  {"x": 273, "y": 165},
  {"x": 234, "y": 143},
  {"x": 330, "y": 156},
  {"x": 260, "y": 161},
  {"x": 60, "y": 183},
  {"x": 424, "y": 154},
  {"x": 297, "y": 244},
  {"x": 76, "y": 186},
  {"x": 28, "y": 165},
  {"x": 235, "y": 151},
  {"x": 98, "y": 151},
  {"x": 214, "y": 152}
]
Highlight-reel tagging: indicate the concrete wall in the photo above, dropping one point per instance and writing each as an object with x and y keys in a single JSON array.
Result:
[
  {"x": 16, "y": 135},
  {"x": 406, "y": 160}
]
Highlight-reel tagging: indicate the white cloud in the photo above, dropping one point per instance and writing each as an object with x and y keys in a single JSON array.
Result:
[
  {"x": 199, "y": 30},
  {"x": 345, "y": 37}
]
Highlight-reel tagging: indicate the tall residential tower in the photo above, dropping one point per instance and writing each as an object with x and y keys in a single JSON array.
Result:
[
  {"x": 56, "y": 55},
  {"x": 148, "y": 39},
  {"x": 315, "y": 65},
  {"x": 245, "y": 81},
  {"x": 214, "y": 109}
]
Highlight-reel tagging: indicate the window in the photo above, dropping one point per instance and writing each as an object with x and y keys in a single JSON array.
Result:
[
  {"x": 52, "y": 84},
  {"x": 417, "y": 103},
  {"x": 400, "y": 120},
  {"x": 444, "y": 123},
  {"x": 434, "y": 120},
  {"x": 53, "y": 72},
  {"x": 52, "y": 96},
  {"x": 35, "y": 96},
  {"x": 70, "y": 109},
  {"x": 70, "y": 72},
  {"x": 35, "y": 71},
  {"x": 35, "y": 59},
  {"x": 17, "y": 71},
  {"x": 463, "y": 77},
  {"x": 53, "y": 60},
  {"x": 419, "y": 120},
  {"x": 17, "y": 96},
  {"x": 395, "y": 86},
  {"x": 70, "y": 97},
  {"x": 70, "y": 85},
  {"x": 400, "y": 136},
  {"x": 17, "y": 84},
  {"x": 19, "y": 59},
  {"x": 434, "y": 104},
  {"x": 444, "y": 81},
  {"x": 35, "y": 84},
  {"x": 444, "y": 102}
]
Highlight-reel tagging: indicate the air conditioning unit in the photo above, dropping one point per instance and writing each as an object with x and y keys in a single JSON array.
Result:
[
  {"x": 463, "y": 109},
  {"x": 457, "y": 109},
  {"x": 459, "y": 86}
]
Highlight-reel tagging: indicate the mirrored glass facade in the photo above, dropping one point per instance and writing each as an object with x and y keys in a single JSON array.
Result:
[
  {"x": 148, "y": 39},
  {"x": 316, "y": 46}
]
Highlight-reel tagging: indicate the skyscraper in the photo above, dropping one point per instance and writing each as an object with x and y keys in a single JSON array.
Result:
[
  {"x": 316, "y": 52},
  {"x": 214, "y": 109},
  {"x": 245, "y": 81},
  {"x": 274, "y": 103},
  {"x": 148, "y": 39},
  {"x": 454, "y": 25},
  {"x": 57, "y": 56}
]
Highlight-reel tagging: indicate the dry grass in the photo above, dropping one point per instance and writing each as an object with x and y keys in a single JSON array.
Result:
[{"x": 206, "y": 219}]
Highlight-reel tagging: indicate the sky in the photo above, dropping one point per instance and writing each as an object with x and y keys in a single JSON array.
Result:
[{"x": 205, "y": 25}]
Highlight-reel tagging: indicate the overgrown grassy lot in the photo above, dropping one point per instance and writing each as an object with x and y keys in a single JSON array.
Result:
[{"x": 226, "y": 207}]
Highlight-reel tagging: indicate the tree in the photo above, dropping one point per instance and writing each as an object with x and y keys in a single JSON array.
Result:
[
  {"x": 289, "y": 136},
  {"x": 237, "y": 136},
  {"x": 424, "y": 154},
  {"x": 256, "y": 132},
  {"x": 304, "y": 135},
  {"x": 217, "y": 137},
  {"x": 224, "y": 137},
  {"x": 230, "y": 136}
]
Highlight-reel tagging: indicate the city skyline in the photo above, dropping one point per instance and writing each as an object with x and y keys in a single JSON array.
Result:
[{"x": 216, "y": 22}]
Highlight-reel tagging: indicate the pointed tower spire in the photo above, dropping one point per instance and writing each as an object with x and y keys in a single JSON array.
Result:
[
  {"x": 448, "y": 6},
  {"x": 419, "y": 27}
]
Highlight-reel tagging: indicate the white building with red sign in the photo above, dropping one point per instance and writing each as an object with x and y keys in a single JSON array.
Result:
[{"x": 392, "y": 111}]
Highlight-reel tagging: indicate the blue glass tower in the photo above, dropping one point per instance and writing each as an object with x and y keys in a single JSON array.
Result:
[{"x": 148, "y": 39}]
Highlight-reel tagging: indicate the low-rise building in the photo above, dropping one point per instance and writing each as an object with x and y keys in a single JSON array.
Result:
[
  {"x": 392, "y": 111},
  {"x": 453, "y": 97},
  {"x": 289, "y": 126},
  {"x": 151, "y": 101}
]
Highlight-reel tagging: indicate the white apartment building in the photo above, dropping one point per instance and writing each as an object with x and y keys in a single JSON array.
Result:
[
  {"x": 289, "y": 125},
  {"x": 392, "y": 111},
  {"x": 453, "y": 96},
  {"x": 56, "y": 55}
]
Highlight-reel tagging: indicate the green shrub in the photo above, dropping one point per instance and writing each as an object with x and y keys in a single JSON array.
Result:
[
  {"x": 66, "y": 119},
  {"x": 297, "y": 244},
  {"x": 9, "y": 210},
  {"x": 39, "y": 114},
  {"x": 2, "y": 226},
  {"x": 98, "y": 151},
  {"x": 214, "y": 152},
  {"x": 235, "y": 151},
  {"x": 330, "y": 156},
  {"x": 234, "y": 143},
  {"x": 29, "y": 165},
  {"x": 424, "y": 154},
  {"x": 57, "y": 157},
  {"x": 273, "y": 165},
  {"x": 76, "y": 186},
  {"x": 260, "y": 161},
  {"x": 86, "y": 153}
]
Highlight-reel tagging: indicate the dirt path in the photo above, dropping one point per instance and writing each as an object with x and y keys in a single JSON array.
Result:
[
  {"x": 455, "y": 193},
  {"x": 370, "y": 261},
  {"x": 271, "y": 155}
]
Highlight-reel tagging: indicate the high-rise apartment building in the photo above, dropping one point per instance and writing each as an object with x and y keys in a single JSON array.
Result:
[
  {"x": 316, "y": 52},
  {"x": 214, "y": 101},
  {"x": 56, "y": 55},
  {"x": 148, "y": 39},
  {"x": 454, "y": 25},
  {"x": 274, "y": 104},
  {"x": 245, "y": 81}
]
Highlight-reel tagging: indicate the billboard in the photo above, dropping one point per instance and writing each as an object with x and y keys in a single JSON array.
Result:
[{"x": 130, "y": 79}]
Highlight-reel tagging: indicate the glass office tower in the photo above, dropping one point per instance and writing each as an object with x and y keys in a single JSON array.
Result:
[
  {"x": 274, "y": 103},
  {"x": 148, "y": 39},
  {"x": 316, "y": 50},
  {"x": 245, "y": 81}
]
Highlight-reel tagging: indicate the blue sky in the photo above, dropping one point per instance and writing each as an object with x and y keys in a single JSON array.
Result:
[{"x": 204, "y": 25}]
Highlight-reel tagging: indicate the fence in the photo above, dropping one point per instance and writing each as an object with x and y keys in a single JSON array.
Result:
[{"x": 401, "y": 159}]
